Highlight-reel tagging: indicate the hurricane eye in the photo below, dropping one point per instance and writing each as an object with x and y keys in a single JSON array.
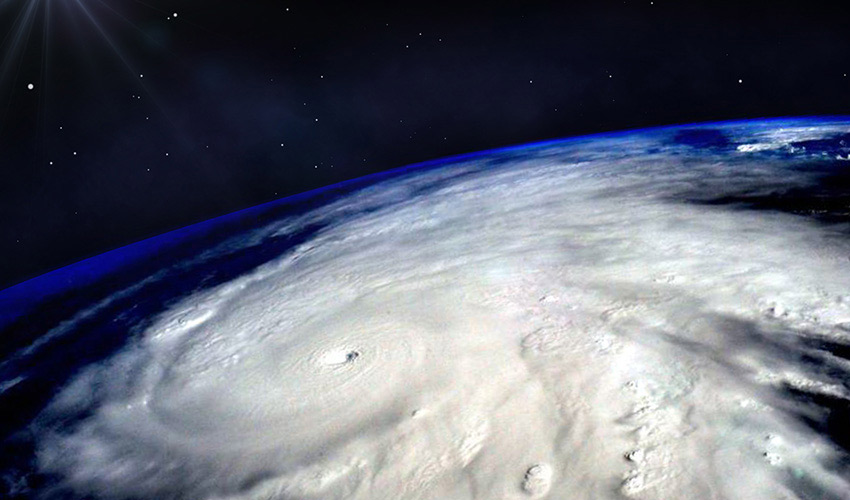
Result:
[{"x": 339, "y": 357}]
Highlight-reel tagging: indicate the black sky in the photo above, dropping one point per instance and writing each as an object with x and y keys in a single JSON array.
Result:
[{"x": 242, "y": 102}]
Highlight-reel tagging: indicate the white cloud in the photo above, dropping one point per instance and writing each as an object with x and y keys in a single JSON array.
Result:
[{"x": 561, "y": 314}]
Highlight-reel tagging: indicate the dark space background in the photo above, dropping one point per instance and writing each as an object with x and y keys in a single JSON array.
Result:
[{"x": 139, "y": 122}]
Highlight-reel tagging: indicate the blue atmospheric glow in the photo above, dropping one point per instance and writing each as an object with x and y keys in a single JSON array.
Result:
[{"x": 15, "y": 299}]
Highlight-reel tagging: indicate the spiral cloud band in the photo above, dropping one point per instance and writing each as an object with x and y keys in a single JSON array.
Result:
[{"x": 573, "y": 320}]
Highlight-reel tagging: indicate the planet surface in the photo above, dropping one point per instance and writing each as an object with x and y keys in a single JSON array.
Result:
[{"x": 652, "y": 314}]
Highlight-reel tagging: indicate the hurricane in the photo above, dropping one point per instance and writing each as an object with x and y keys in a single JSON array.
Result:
[{"x": 654, "y": 314}]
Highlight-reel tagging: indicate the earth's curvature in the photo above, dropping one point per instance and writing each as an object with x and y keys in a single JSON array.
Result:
[{"x": 653, "y": 314}]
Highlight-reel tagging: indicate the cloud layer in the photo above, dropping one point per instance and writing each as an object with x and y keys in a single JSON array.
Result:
[{"x": 554, "y": 324}]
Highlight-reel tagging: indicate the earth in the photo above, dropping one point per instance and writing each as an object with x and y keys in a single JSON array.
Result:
[{"x": 652, "y": 314}]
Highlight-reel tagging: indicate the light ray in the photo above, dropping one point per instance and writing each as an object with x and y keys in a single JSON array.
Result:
[
  {"x": 134, "y": 73},
  {"x": 14, "y": 54},
  {"x": 136, "y": 28},
  {"x": 25, "y": 17},
  {"x": 43, "y": 77}
]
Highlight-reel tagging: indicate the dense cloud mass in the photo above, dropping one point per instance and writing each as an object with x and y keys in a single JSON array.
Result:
[{"x": 571, "y": 320}]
